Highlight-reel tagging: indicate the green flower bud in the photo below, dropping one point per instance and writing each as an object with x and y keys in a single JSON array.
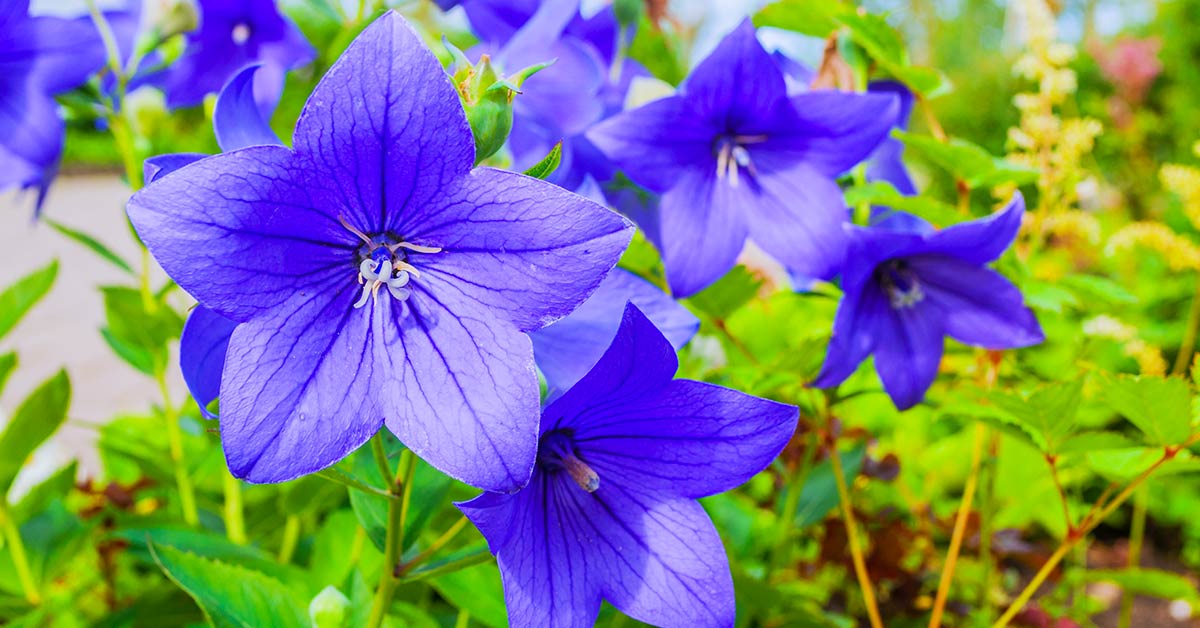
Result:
[
  {"x": 487, "y": 97},
  {"x": 329, "y": 608}
]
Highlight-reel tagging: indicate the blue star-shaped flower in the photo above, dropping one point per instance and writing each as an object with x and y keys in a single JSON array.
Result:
[
  {"x": 233, "y": 34},
  {"x": 611, "y": 510},
  {"x": 40, "y": 57},
  {"x": 906, "y": 290},
  {"x": 375, "y": 277},
  {"x": 734, "y": 157}
]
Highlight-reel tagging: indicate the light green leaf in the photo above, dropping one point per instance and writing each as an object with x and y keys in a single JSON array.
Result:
[
  {"x": 548, "y": 164},
  {"x": 1094, "y": 287},
  {"x": 882, "y": 193},
  {"x": 39, "y": 416},
  {"x": 1085, "y": 442},
  {"x": 968, "y": 162},
  {"x": 729, "y": 293},
  {"x": 1048, "y": 412},
  {"x": 57, "y": 486},
  {"x": 139, "y": 331},
  {"x": 1161, "y": 407},
  {"x": 1148, "y": 582},
  {"x": 19, "y": 298},
  {"x": 8, "y": 363},
  {"x": 476, "y": 590},
  {"x": 809, "y": 17},
  {"x": 212, "y": 546},
  {"x": 231, "y": 595},
  {"x": 93, "y": 245}
]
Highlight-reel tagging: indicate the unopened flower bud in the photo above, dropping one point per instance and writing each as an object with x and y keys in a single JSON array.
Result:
[
  {"x": 328, "y": 609},
  {"x": 487, "y": 97}
]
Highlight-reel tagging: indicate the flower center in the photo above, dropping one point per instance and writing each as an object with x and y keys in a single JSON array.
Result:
[
  {"x": 900, "y": 283},
  {"x": 241, "y": 33},
  {"x": 384, "y": 262},
  {"x": 556, "y": 452},
  {"x": 732, "y": 155}
]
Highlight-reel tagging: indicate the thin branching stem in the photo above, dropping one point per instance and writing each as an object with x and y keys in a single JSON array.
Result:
[{"x": 960, "y": 527}]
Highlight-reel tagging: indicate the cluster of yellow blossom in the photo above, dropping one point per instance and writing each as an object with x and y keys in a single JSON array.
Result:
[
  {"x": 1043, "y": 140},
  {"x": 1149, "y": 358},
  {"x": 1179, "y": 252},
  {"x": 1184, "y": 182}
]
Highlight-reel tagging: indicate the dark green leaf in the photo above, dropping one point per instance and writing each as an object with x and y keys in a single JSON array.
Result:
[
  {"x": 1161, "y": 407},
  {"x": 548, "y": 164},
  {"x": 820, "y": 495},
  {"x": 39, "y": 416},
  {"x": 92, "y": 245},
  {"x": 19, "y": 298},
  {"x": 231, "y": 595}
]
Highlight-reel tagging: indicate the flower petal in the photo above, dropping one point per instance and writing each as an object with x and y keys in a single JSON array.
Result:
[
  {"x": 887, "y": 162},
  {"x": 908, "y": 351},
  {"x": 660, "y": 561},
  {"x": 526, "y": 250},
  {"x": 834, "y": 130},
  {"x": 857, "y": 326},
  {"x": 465, "y": 392},
  {"x": 737, "y": 83},
  {"x": 703, "y": 229},
  {"x": 237, "y": 120},
  {"x": 979, "y": 306},
  {"x": 797, "y": 217},
  {"x": 159, "y": 166},
  {"x": 302, "y": 385},
  {"x": 202, "y": 350},
  {"x": 656, "y": 142},
  {"x": 539, "y": 545},
  {"x": 567, "y": 350},
  {"x": 386, "y": 128},
  {"x": 242, "y": 232},
  {"x": 983, "y": 240}
]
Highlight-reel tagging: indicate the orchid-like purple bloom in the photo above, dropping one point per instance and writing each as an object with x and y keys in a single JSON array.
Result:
[
  {"x": 610, "y": 512},
  {"x": 41, "y": 57},
  {"x": 568, "y": 349},
  {"x": 233, "y": 34},
  {"x": 904, "y": 291},
  {"x": 734, "y": 157},
  {"x": 377, "y": 279}
]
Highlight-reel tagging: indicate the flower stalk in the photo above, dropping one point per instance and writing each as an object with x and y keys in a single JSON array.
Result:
[
  {"x": 960, "y": 527},
  {"x": 235, "y": 524},
  {"x": 16, "y": 547},
  {"x": 856, "y": 553},
  {"x": 187, "y": 493}
]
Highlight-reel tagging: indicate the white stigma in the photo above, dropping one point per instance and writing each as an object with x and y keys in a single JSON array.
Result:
[
  {"x": 241, "y": 33},
  {"x": 374, "y": 276}
]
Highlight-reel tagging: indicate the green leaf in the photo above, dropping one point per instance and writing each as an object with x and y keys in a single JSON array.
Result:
[
  {"x": 1085, "y": 442},
  {"x": 1147, "y": 582},
  {"x": 1096, "y": 288},
  {"x": 653, "y": 47},
  {"x": 231, "y": 595},
  {"x": 139, "y": 331},
  {"x": 57, "y": 486},
  {"x": 39, "y": 416},
  {"x": 8, "y": 363},
  {"x": 476, "y": 590},
  {"x": 309, "y": 495},
  {"x": 874, "y": 34},
  {"x": 1161, "y": 407},
  {"x": 729, "y": 293},
  {"x": 1048, "y": 412},
  {"x": 929, "y": 82},
  {"x": 883, "y": 194},
  {"x": 967, "y": 161},
  {"x": 19, "y": 298},
  {"x": 92, "y": 245},
  {"x": 144, "y": 541},
  {"x": 809, "y": 17},
  {"x": 820, "y": 495},
  {"x": 548, "y": 164}
]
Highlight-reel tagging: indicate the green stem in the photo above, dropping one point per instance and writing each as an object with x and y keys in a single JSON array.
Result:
[
  {"x": 187, "y": 494},
  {"x": 391, "y": 549},
  {"x": 12, "y": 535},
  {"x": 463, "y": 620},
  {"x": 1188, "y": 344},
  {"x": 1137, "y": 535},
  {"x": 291, "y": 537},
  {"x": 427, "y": 553},
  {"x": 787, "y": 517},
  {"x": 235, "y": 524},
  {"x": 987, "y": 510}
]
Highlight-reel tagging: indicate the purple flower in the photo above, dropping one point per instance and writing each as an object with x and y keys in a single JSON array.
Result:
[
  {"x": 568, "y": 349},
  {"x": 905, "y": 290},
  {"x": 233, "y": 34},
  {"x": 377, "y": 279},
  {"x": 886, "y": 163},
  {"x": 611, "y": 512},
  {"x": 41, "y": 57},
  {"x": 734, "y": 157}
]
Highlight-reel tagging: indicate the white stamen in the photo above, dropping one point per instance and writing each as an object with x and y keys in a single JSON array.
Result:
[{"x": 415, "y": 248}]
